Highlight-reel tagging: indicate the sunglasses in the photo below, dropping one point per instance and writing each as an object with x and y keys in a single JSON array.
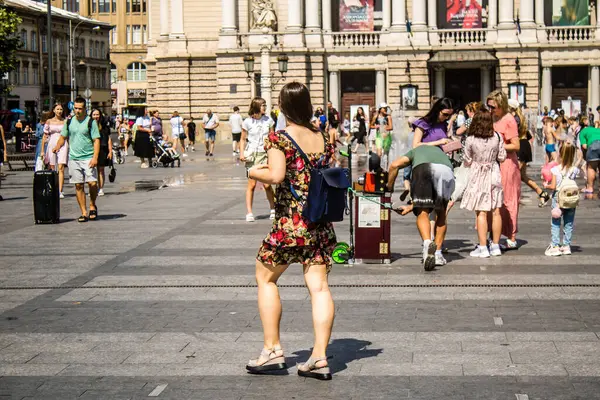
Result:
[
  {"x": 447, "y": 115},
  {"x": 491, "y": 108}
]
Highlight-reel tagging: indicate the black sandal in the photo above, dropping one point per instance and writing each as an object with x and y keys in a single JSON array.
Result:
[
  {"x": 268, "y": 360},
  {"x": 310, "y": 370},
  {"x": 83, "y": 218},
  {"x": 93, "y": 214}
]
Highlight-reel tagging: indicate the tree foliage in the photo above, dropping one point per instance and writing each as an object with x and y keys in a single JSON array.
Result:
[{"x": 9, "y": 40}]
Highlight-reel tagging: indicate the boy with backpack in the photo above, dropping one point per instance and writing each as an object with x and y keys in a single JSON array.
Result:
[
  {"x": 84, "y": 147},
  {"x": 565, "y": 198}
]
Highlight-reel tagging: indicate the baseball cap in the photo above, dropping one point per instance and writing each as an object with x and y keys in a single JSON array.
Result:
[
  {"x": 383, "y": 105},
  {"x": 512, "y": 103}
]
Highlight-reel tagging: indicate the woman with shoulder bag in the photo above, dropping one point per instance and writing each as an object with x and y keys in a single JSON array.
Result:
[{"x": 255, "y": 129}]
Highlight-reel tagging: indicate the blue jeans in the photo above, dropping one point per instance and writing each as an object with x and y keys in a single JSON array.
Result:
[{"x": 568, "y": 218}]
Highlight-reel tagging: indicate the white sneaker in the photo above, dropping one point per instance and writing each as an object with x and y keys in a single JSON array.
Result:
[
  {"x": 137, "y": 160},
  {"x": 272, "y": 216},
  {"x": 61, "y": 195},
  {"x": 101, "y": 192},
  {"x": 565, "y": 250},
  {"x": 193, "y": 149},
  {"x": 250, "y": 217},
  {"x": 144, "y": 165},
  {"x": 440, "y": 260},
  {"x": 429, "y": 255},
  {"x": 495, "y": 250},
  {"x": 234, "y": 154},
  {"x": 185, "y": 155},
  {"x": 480, "y": 252},
  {"x": 553, "y": 251}
]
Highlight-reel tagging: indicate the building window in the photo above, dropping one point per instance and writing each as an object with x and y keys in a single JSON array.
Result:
[
  {"x": 17, "y": 75},
  {"x": 71, "y": 5},
  {"x": 34, "y": 42},
  {"x": 103, "y": 78},
  {"x": 103, "y": 6},
  {"x": 91, "y": 52},
  {"x": 128, "y": 34},
  {"x": 94, "y": 5},
  {"x": 114, "y": 75},
  {"x": 24, "y": 39},
  {"x": 143, "y": 6},
  {"x": 114, "y": 6},
  {"x": 114, "y": 39},
  {"x": 44, "y": 44},
  {"x": 144, "y": 34},
  {"x": 36, "y": 72},
  {"x": 102, "y": 53},
  {"x": 81, "y": 48},
  {"x": 62, "y": 42},
  {"x": 136, "y": 72},
  {"x": 25, "y": 75},
  {"x": 98, "y": 53},
  {"x": 135, "y": 6},
  {"x": 137, "y": 34}
]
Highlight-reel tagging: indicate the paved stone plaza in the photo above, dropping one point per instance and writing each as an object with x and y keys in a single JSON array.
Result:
[{"x": 157, "y": 300}]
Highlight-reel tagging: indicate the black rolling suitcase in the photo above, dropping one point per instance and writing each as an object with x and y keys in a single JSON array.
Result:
[{"x": 46, "y": 200}]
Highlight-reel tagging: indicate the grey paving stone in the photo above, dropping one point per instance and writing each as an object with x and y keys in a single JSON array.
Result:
[
  {"x": 500, "y": 369},
  {"x": 31, "y": 369},
  {"x": 88, "y": 357},
  {"x": 410, "y": 369}
]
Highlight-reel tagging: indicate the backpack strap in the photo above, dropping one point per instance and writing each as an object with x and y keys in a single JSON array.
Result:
[{"x": 302, "y": 153}]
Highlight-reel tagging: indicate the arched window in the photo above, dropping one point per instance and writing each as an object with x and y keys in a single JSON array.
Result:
[
  {"x": 114, "y": 75},
  {"x": 136, "y": 72}
]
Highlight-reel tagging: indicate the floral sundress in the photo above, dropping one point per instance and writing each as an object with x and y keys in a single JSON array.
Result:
[{"x": 293, "y": 239}]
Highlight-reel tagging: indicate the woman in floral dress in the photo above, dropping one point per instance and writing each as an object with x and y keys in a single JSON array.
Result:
[
  {"x": 484, "y": 150},
  {"x": 293, "y": 239}
]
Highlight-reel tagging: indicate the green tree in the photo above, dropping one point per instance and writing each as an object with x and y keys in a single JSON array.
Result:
[{"x": 9, "y": 41}]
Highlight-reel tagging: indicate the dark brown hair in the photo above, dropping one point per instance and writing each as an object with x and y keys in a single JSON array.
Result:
[
  {"x": 482, "y": 125},
  {"x": 295, "y": 104},
  {"x": 255, "y": 106}
]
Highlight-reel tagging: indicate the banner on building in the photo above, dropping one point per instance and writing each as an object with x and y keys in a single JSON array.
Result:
[
  {"x": 356, "y": 15},
  {"x": 463, "y": 14},
  {"x": 567, "y": 12}
]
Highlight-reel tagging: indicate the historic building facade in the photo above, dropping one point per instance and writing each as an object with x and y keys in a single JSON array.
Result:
[
  {"x": 372, "y": 51},
  {"x": 29, "y": 81},
  {"x": 128, "y": 40}
]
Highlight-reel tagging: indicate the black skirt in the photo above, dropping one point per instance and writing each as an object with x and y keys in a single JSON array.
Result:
[
  {"x": 103, "y": 160},
  {"x": 142, "y": 147},
  {"x": 525, "y": 155}
]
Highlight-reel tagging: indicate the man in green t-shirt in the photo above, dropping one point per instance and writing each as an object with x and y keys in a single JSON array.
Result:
[
  {"x": 431, "y": 187},
  {"x": 590, "y": 144},
  {"x": 84, "y": 146}
]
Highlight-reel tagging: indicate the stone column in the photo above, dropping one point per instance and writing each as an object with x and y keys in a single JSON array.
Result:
[
  {"x": 177, "y": 31},
  {"x": 440, "y": 81},
  {"x": 326, "y": 6},
  {"x": 506, "y": 15},
  {"x": 486, "y": 82},
  {"x": 380, "y": 87},
  {"x": 432, "y": 14},
  {"x": 387, "y": 14},
  {"x": 312, "y": 33},
  {"x": 265, "y": 75},
  {"x": 399, "y": 14},
  {"x": 164, "y": 18},
  {"x": 492, "y": 14},
  {"x": 526, "y": 14},
  {"x": 419, "y": 23},
  {"x": 595, "y": 89},
  {"x": 539, "y": 12},
  {"x": 547, "y": 87},
  {"x": 229, "y": 26},
  {"x": 334, "y": 89},
  {"x": 293, "y": 34}
]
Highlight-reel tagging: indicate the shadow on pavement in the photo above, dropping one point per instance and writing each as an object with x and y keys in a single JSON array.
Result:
[
  {"x": 110, "y": 216},
  {"x": 13, "y": 198},
  {"x": 344, "y": 352}
]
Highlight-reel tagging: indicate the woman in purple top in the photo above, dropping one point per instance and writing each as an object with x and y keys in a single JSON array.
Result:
[
  {"x": 156, "y": 125},
  {"x": 433, "y": 128}
]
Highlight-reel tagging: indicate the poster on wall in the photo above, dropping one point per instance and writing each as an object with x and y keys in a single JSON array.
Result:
[
  {"x": 356, "y": 15},
  {"x": 463, "y": 14},
  {"x": 516, "y": 91},
  {"x": 567, "y": 12},
  {"x": 571, "y": 107}
]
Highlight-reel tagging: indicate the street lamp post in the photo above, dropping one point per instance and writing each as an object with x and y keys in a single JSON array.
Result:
[
  {"x": 267, "y": 80},
  {"x": 71, "y": 63}
]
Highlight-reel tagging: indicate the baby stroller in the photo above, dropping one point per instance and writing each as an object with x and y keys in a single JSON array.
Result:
[
  {"x": 165, "y": 154},
  {"x": 118, "y": 153}
]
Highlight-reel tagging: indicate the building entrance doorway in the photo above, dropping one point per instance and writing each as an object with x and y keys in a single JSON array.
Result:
[
  {"x": 358, "y": 88},
  {"x": 570, "y": 82},
  {"x": 463, "y": 86}
]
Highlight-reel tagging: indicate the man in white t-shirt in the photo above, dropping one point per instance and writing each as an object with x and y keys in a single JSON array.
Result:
[
  {"x": 178, "y": 132},
  {"x": 210, "y": 122},
  {"x": 235, "y": 120}
]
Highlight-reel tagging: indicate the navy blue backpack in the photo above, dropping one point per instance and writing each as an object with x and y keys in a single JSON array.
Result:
[{"x": 326, "y": 200}]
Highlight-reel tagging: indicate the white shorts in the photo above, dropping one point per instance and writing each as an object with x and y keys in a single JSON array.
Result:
[{"x": 80, "y": 172}]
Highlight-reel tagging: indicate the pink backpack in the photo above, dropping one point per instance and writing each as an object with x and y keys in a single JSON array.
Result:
[{"x": 547, "y": 171}]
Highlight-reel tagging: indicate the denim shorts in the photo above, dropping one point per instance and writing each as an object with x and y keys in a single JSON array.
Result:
[
  {"x": 407, "y": 173},
  {"x": 593, "y": 152},
  {"x": 210, "y": 134}
]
